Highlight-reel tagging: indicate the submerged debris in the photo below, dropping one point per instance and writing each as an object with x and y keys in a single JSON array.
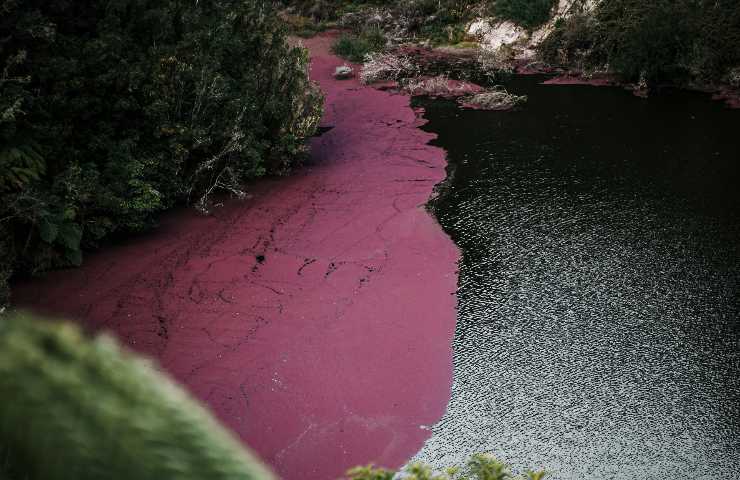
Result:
[
  {"x": 497, "y": 99},
  {"x": 440, "y": 86},
  {"x": 387, "y": 66}
]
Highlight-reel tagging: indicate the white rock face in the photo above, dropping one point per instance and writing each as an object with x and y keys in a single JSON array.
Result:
[{"x": 495, "y": 34}]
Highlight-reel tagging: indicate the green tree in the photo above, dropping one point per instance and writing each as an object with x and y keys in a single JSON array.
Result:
[
  {"x": 527, "y": 13},
  {"x": 114, "y": 110}
]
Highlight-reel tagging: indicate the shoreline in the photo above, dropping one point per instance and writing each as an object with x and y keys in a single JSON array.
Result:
[
  {"x": 462, "y": 61},
  {"x": 315, "y": 318}
]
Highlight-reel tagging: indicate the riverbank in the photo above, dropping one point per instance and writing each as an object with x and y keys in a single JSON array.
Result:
[
  {"x": 314, "y": 318},
  {"x": 462, "y": 63}
]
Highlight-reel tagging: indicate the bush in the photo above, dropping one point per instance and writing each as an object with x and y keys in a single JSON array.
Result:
[
  {"x": 302, "y": 26},
  {"x": 481, "y": 466},
  {"x": 439, "y": 21},
  {"x": 527, "y": 13},
  {"x": 387, "y": 66},
  {"x": 355, "y": 47},
  {"x": 664, "y": 40},
  {"x": 646, "y": 38},
  {"x": 82, "y": 408},
  {"x": 111, "y": 112},
  {"x": 495, "y": 99},
  {"x": 573, "y": 42}
]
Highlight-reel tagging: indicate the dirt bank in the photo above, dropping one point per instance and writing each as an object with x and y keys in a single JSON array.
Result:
[{"x": 315, "y": 318}]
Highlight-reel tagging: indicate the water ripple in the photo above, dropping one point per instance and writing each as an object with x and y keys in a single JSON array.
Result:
[{"x": 597, "y": 331}]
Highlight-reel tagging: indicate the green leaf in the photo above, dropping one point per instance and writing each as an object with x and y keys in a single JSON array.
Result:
[
  {"x": 48, "y": 231},
  {"x": 70, "y": 235},
  {"x": 74, "y": 257}
]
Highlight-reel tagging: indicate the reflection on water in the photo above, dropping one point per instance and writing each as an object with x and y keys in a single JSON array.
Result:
[{"x": 597, "y": 332}]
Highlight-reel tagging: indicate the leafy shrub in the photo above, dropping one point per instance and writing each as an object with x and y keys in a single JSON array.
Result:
[
  {"x": 527, "y": 13},
  {"x": 439, "y": 21},
  {"x": 647, "y": 37},
  {"x": 733, "y": 77},
  {"x": 111, "y": 112},
  {"x": 662, "y": 40},
  {"x": 495, "y": 99},
  {"x": 496, "y": 63},
  {"x": 5, "y": 268},
  {"x": 355, "y": 47},
  {"x": 481, "y": 466},
  {"x": 387, "y": 66},
  {"x": 82, "y": 408},
  {"x": 302, "y": 26},
  {"x": 324, "y": 10},
  {"x": 572, "y": 42},
  {"x": 439, "y": 85}
]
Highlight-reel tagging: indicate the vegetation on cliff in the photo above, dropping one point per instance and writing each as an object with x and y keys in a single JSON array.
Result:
[
  {"x": 111, "y": 112},
  {"x": 663, "y": 41},
  {"x": 527, "y": 13},
  {"x": 659, "y": 41}
]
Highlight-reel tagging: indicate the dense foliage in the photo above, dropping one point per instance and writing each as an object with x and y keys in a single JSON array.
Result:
[
  {"x": 355, "y": 46},
  {"x": 661, "y": 40},
  {"x": 674, "y": 41},
  {"x": 527, "y": 13},
  {"x": 113, "y": 110},
  {"x": 480, "y": 467},
  {"x": 439, "y": 21},
  {"x": 81, "y": 408}
]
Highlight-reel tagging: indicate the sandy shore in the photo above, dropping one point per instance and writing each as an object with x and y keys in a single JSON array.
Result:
[{"x": 316, "y": 317}]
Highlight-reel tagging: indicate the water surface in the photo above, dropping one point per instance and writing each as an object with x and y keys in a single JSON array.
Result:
[{"x": 597, "y": 332}]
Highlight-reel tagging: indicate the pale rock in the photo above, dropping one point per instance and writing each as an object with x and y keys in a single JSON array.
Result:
[
  {"x": 496, "y": 34},
  {"x": 343, "y": 72}
]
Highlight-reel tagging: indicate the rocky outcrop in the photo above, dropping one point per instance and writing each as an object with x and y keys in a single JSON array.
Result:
[{"x": 494, "y": 34}]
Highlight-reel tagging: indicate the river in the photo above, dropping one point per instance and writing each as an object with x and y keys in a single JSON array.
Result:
[{"x": 597, "y": 332}]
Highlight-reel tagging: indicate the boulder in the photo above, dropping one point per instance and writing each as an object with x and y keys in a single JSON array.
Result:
[{"x": 344, "y": 72}]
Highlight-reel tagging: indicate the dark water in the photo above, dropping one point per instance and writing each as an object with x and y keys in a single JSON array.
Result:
[{"x": 598, "y": 331}]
